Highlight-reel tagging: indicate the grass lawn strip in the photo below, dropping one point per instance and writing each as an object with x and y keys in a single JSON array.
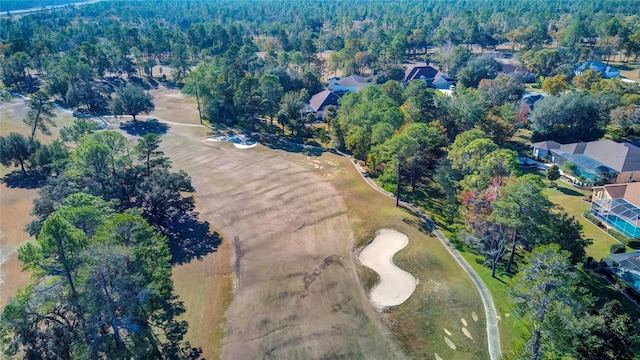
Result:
[{"x": 571, "y": 199}]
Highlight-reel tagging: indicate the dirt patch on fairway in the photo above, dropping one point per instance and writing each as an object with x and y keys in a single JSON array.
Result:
[
  {"x": 297, "y": 293},
  {"x": 289, "y": 230},
  {"x": 172, "y": 105},
  {"x": 17, "y": 203},
  {"x": 13, "y": 111}
]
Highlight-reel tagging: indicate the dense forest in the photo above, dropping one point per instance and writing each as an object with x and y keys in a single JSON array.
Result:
[
  {"x": 110, "y": 215},
  {"x": 79, "y": 55}
]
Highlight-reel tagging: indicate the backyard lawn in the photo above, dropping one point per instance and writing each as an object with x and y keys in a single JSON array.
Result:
[
  {"x": 572, "y": 201},
  {"x": 627, "y": 70}
]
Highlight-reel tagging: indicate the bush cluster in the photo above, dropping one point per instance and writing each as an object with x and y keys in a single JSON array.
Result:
[{"x": 617, "y": 248}]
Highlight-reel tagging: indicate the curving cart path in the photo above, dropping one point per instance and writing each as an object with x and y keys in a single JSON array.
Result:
[
  {"x": 395, "y": 285},
  {"x": 493, "y": 333}
]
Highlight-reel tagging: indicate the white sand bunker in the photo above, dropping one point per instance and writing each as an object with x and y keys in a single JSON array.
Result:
[
  {"x": 466, "y": 333},
  {"x": 240, "y": 141},
  {"x": 396, "y": 285},
  {"x": 450, "y": 343}
]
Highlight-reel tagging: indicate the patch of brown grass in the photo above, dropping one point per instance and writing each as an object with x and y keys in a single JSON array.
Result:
[
  {"x": 206, "y": 287},
  {"x": 14, "y": 279},
  {"x": 12, "y": 113},
  {"x": 15, "y": 206}
]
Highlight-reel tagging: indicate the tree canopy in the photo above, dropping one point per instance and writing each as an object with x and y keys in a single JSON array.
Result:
[{"x": 132, "y": 100}]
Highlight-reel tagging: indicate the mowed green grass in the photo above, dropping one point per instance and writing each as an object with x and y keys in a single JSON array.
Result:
[
  {"x": 512, "y": 328},
  {"x": 572, "y": 200},
  {"x": 444, "y": 294},
  {"x": 429, "y": 198}
]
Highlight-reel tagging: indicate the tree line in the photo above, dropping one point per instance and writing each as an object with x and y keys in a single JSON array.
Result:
[
  {"x": 506, "y": 217},
  {"x": 79, "y": 54},
  {"x": 583, "y": 106}
]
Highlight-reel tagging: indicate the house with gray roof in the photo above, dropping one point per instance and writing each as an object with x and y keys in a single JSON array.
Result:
[
  {"x": 608, "y": 72},
  {"x": 321, "y": 100},
  {"x": 527, "y": 104},
  {"x": 604, "y": 161},
  {"x": 427, "y": 73},
  {"x": 349, "y": 83},
  {"x": 509, "y": 69}
]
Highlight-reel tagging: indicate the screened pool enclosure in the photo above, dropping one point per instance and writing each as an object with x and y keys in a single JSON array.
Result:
[
  {"x": 627, "y": 266},
  {"x": 591, "y": 170},
  {"x": 619, "y": 214}
]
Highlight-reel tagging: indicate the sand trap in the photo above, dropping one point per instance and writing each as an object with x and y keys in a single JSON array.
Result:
[
  {"x": 466, "y": 333},
  {"x": 464, "y": 321},
  {"x": 450, "y": 343},
  {"x": 437, "y": 356},
  {"x": 239, "y": 141},
  {"x": 396, "y": 285},
  {"x": 447, "y": 332},
  {"x": 474, "y": 316}
]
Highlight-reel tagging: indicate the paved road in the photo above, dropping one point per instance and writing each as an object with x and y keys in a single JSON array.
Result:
[
  {"x": 44, "y": 8},
  {"x": 493, "y": 334}
]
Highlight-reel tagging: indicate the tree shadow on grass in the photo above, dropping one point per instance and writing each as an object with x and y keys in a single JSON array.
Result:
[
  {"x": 499, "y": 271},
  {"x": 142, "y": 128},
  {"x": 418, "y": 224},
  {"x": 192, "y": 239},
  {"x": 569, "y": 192},
  {"x": 278, "y": 143},
  {"x": 16, "y": 179}
]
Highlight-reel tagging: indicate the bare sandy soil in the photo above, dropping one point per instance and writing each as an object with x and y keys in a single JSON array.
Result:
[
  {"x": 396, "y": 285},
  {"x": 15, "y": 206}
]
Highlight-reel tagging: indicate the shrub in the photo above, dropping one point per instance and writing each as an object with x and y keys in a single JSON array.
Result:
[
  {"x": 618, "y": 236},
  {"x": 617, "y": 248},
  {"x": 587, "y": 215},
  {"x": 634, "y": 243}
]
